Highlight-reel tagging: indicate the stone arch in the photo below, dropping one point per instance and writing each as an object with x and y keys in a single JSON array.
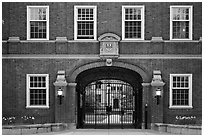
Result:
[
  {"x": 144, "y": 74},
  {"x": 95, "y": 71}
]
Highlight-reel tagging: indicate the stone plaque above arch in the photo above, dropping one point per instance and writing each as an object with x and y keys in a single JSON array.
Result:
[
  {"x": 109, "y": 45},
  {"x": 109, "y": 37}
]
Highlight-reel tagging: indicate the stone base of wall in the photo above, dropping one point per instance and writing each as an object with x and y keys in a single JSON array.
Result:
[
  {"x": 33, "y": 129},
  {"x": 178, "y": 129}
]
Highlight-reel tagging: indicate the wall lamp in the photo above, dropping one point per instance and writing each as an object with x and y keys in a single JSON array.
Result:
[
  {"x": 60, "y": 95},
  {"x": 158, "y": 95}
]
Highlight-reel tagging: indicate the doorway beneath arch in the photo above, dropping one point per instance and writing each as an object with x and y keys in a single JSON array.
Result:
[{"x": 109, "y": 97}]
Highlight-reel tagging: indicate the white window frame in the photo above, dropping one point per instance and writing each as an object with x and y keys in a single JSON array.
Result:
[
  {"x": 142, "y": 22},
  {"x": 190, "y": 21},
  {"x": 190, "y": 92},
  {"x": 28, "y": 22},
  {"x": 28, "y": 91},
  {"x": 76, "y": 19}
]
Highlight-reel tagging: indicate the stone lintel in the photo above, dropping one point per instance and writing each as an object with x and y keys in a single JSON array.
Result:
[
  {"x": 72, "y": 84},
  {"x": 60, "y": 84},
  {"x": 157, "y": 84},
  {"x": 61, "y": 72},
  {"x": 157, "y": 39},
  {"x": 146, "y": 84},
  {"x": 61, "y": 39},
  {"x": 14, "y": 39}
]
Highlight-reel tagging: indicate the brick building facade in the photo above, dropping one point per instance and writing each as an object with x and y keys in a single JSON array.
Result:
[{"x": 60, "y": 46}]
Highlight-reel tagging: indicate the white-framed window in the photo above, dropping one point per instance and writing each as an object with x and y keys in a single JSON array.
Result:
[
  {"x": 181, "y": 20},
  {"x": 37, "y": 91},
  {"x": 85, "y": 22},
  {"x": 180, "y": 91},
  {"x": 133, "y": 22},
  {"x": 37, "y": 22}
]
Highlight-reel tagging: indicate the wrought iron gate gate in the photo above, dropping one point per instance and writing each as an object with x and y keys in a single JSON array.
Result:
[{"x": 108, "y": 104}]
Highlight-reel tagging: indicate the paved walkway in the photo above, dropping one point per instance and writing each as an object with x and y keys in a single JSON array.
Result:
[{"x": 107, "y": 132}]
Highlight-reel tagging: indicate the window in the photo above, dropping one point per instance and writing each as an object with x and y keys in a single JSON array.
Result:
[
  {"x": 133, "y": 22},
  {"x": 37, "y": 90},
  {"x": 180, "y": 90},
  {"x": 85, "y": 23},
  {"x": 37, "y": 22},
  {"x": 181, "y": 22}
]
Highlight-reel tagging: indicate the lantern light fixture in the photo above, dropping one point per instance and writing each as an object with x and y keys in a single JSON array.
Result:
[
  {"x": 158, "y": 95},
  {"x": 60, "y": 95}
]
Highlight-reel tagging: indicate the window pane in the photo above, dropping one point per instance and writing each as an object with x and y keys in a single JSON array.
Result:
[
  {"x": 85, "y": 14},
  {"x": 85, "y": 29},
  {"x": 37, "y": 13},
  {"x": 181, "y": 13},
  {"x": 180, "y": 81},
  {"x": 180, "y": 29},
  {"x": 37, "y": 29},
  {"x": 37, "y": 81},
  {"x": 180, "y": 97},
  {"x": 132, "y": 29},
  {"x": 37, "y": 96},
  {"x": 132, "y": 13}
]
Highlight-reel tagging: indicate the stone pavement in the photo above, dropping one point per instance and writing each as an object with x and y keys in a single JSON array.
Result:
[{"x": 107, "y": 132}]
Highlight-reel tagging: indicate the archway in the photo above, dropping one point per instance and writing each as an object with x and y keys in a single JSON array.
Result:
[{"x": 112, "y": 75}]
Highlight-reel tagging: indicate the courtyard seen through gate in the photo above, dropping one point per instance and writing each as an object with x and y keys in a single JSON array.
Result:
[{"x": 109, "y": 102}]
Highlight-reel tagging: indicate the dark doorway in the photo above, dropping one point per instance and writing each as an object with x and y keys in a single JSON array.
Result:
[{"x": 109, "y": 100}]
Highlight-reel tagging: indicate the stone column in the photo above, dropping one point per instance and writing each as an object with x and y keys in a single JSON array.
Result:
[
  {"x": 60, "y": 102},
  {"x": 71, "y": 104},
  {"x": 157, "y": 108},
  {"x": 145, "y": 104}
]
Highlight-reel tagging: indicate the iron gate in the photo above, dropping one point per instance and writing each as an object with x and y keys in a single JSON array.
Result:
[{"x": 108, "y": 104}]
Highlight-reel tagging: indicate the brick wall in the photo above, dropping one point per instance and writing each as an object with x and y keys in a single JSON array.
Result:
[
  {"x": 62, "y": 19},
  {"x": 14, "y": 73},
  {"x": 93, "y": 48},
  {"x": 62, "y": 25}
]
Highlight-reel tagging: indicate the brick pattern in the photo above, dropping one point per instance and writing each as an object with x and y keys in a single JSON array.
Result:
[
  {"x": 62, "y": 25},
  {"x": 14, "y": 73},
  {"x": 93, "y": 48},
  {"x": 62, "y": 19}
]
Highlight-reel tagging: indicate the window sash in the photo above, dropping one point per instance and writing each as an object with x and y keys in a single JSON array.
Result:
[
  {"x": 183, "y": 17},
  {"x": 177, "y": 97},
  {"x": 138, "y": 17},
  {"x": 132, "y": 31},
  {"x": 85, "y": 17},
  {"x": 85, "y": 28},
  {"x": 180, "y": 29},
  {"x": 38, "y": 97}
]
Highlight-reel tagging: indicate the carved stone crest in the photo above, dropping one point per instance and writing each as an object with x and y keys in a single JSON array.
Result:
[{"x": 109, "y": 45}]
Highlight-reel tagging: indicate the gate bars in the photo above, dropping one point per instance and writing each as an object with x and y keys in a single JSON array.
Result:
[{"x": 109, "y": 104}]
